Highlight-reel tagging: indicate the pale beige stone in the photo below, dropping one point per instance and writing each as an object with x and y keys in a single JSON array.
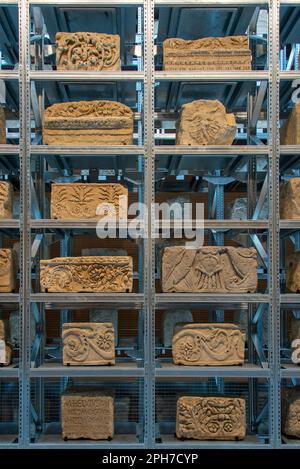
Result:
[
  {"x": 5, "y": 347},
  {"x": 71, "y": 201},
  {"x": 87, "y": 274},
  {"x": 290, "y": 132},
  {"x": 170, "y": 319},
  {"x": 87, "y": 51},
  {"x": 291, "y": 411},
  {"x": 6, "y": 199},
  {"x": 210, "y": 269},
  {"x": 87, "y": 413},
  {"x": 87, "y": 343},
  {"x": 2, "y": 126},
  {"x": 292, "y": 280},
  {"x": 88, "y": 123},
  {"x": 290, "y": 199},
  {"x": 7, "y": 270},
  {"x": 211, "y": 418},
  {"x": 209, "y": 344},
  {"x": 205, "y": 122},
  {"x": 209, "y": 53}
]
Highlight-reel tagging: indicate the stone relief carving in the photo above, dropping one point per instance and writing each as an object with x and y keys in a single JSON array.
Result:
[
  {"x": 6, "y": 199},
  {"x": 170, "y": 319},
  {"x": 106, "y": 315},
  {"x": 291, "y": 411},
  {"x": 292, "y": 280},
  {"x": 5, "y": 347},
  {"x": 290, "y": 199},
  {"x": 7, "y": 270},
  {"x": 290, "y": 132}
]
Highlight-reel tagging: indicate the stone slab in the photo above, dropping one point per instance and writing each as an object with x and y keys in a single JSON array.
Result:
[
  {"x": 7, "y": 270},
  {"x": 6, "y": 199},
  {"x": 290, "y": 131},
  {"x": 290, "y": 199},
  {"x": 291, "y": 411},
  {"x": 292, "y": 279}
]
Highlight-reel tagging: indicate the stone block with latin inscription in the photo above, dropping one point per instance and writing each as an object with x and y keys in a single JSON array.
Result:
[
  {"x": 290, "y": 131},
  {"x": 292, "y": 272},
  {"x": 8, "y": 274},
  {"x": 291, "y": 411},
  {"x": 5, "y": 347},
  {"x": 290, "y": 199},
  {"x": 6, "y": 199}
]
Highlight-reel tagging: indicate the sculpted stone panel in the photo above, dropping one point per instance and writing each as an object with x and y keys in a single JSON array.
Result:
[
  {"x": 210, "y": 53},
  {"x": 211, "y": 418},
  {"x": 87, "y": 51},
  {"x": 87, "y": 413},
  {"x": 106, "y": 315},
  {"x": 290, "y": 132},
  {"x": 291, "y": 411},
  {"x": 2, "y": 126},
  {"x": 7, "y": 270},
  {"x": 87, "y": 343},
  {"x": 221, "y": 269},
  {"x": 71, "y": 201},
  {"x": 88, "y": 123},
  {"x": 5, "y": 348},
  {"x": 6, "y": 199},
  {"x": 169, "y": 320},
  {"x": 290, "y": 199},
  {"x": 293, "y": 272},
  {"x": 87, "y": 274},
  {"x": 209, "y": 344},
  {"x": 205, "y": 122}
]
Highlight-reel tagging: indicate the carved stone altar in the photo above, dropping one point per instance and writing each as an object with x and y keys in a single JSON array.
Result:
[
  {"x": 211, "y": 418},
  {"x": 88, "y": 123},
  {"x": 87, "y": 343},
  {"x": 71, "y": 201},
  {"x": 292, "y": 279},
  {"x": 87, "y": 51},
  {"x": 87, "y": 274},
  {"x": 220, "y": 269},
  {"x": 169, "y": 320},
  {"x": 290, "y": 132},
  {"x": 87, "y": 413},
  {"x": 205, "y": 122},
  {"x": 2, "y": 126},
  {"x": 6, "y": 199},
  {"x": 5, "y": 348},
  {"x": 7, "y": 270},
  {"x": 209, "y": 344},
  {"x": 209, "y": 53},
  {"x": 290, "y": 200},
  {"x": 291, "y": 411},
  {"x": 106, "y": 315}
]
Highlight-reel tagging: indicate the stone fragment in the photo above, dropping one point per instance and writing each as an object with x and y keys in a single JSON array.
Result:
[
  {"x": 71, "y": 201},
  {"x": 87, "y": 413},
  {"x": 87, "y": 343},
  {"x": 211, "y": 418},
  {"x": 7, "y": 270},
  {"x": 14, "y": 327},
  {"x": 88, "y": 123},
  {"x": 290, "y": 131},
  {"x": 160, "y": 245},
  {"x": 209, "y": 344},
  {"x": 5, "y": 348},
  {"x": 87, "y": 51},
  {"x": 210, "y": 269},
  {"x": 209, "y": 53},
  {"x": 291, "y": 411},
  {"x": 237, "y": 209},
  {"x": 2, "y": 126},
  {"x": 6, "y": 199},
  {"x": 169, "y": 320},
  {"x": 87, "y": 274},
  {"x": 292, "y": 279},
  {"x": 290, "y": 199},
  {"x": 205, "y": 122},
  {"x": 106, "y": 315}
]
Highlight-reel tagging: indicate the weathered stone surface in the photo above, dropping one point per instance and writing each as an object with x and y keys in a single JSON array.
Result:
[
  {"x": 290, "y": 132},
  {"x": 87, "y": 51},
  {"x": 211, "y": 418},
  {"x": 209, "y": 53},
  {"x": 291, "y": 411},
  {"x": 87, "y": 343},
  {"x": 205, "y": 122},
  {"x": 169, "y": 320},
  {"x": 160, "y": 245},
  {"x": 7, "y": 270},
  {"x": 237, "y": 209},
  {"x": 5, "y": 348},
  {"x": 87, "y": 413},
  {"x": 290, "y": 199},
  {"x": 14, "y": 327},
  {"x": 106, "y": 315},
  {"x": 222, "y": 269},
  {"x": 6, "y": 199},
  {"x": 209, "y": 344},
  {"x": 87, "y": 274},
  {"x": 2, "y": 126},
  {"x": 292, "y": 272},
  {"x": 88, "y": 123},
  {"x": 71, "y": 201}
]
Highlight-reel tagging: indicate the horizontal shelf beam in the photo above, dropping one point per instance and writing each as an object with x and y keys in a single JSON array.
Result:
[
  {"x": 9, "y": 149},
  {"x": 85, "y": 150},
  {"x": 9, "y": 74},
  {"x": 214, "y": 224},
  {"x": 290, "y": 298},
  {"x": 8, "y": 372},
  {"x": 9, "y": 223},
  {"x": 87, "y": 3},
  {"x": 215, "y": 75},
  {"x": 118, "y": 299},
  {"x": 289, "y": 74},
  {"x": 290, "y": 372},
  {"x": 74, "y": 224},
  {"x": 290, "y": 149},
  {"x": 203, "y": 4},
  {"x": 86, "y": 76},
  {"x": 87, "y": 371},
  {"x": 182, "y": 372},
  {"x": 229, "y": 150},
  {"x": 9, "y": 298},
  {"x": 163, "y": 299},
  {"x": 289, "y": 224}
]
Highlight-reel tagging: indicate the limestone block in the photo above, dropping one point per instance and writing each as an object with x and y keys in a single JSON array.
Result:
[
  {"x": 211, "y": 418},
  {"x": 7, "y": 270},
  {"x": 160, "y": 245},
  {"x": 87, "y": 413},
  {"x": 87, "y": 343},
  {"x": 210, "y": 269},
  {"x": 209, "y": 344},
  {"x": 106, "y": 315},
  {"x": 87, "y": 51},
  {"x": 5, "y": 348},
  {"x": 290, "y": 132},
  {"x": 209, "y": 53},
  {"x": 237, "y": 209},
  {"x": 169, "y": 320},
  {"x": 291, "y": 411},
  {"x": 71, "y": 201},
  {"x": 2, "y": 126},
  {"x": 88, "y": 123},
  {"x": 87, "y": 274},
  {"x": 205, "y": 122},
  {"x": 292, "y": 272},
  {"x": 6, "y": 199},
  {"x": 290, "y": 200}
]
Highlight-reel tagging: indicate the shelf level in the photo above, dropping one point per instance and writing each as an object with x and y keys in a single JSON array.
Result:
[
  {"x": 228, "y": 150},
  {"x": 169, "y": 370},
  {"x": 215, "y": 75},
  {"x": 45, "y": 75},
  {"x": 85, "y": 150}
]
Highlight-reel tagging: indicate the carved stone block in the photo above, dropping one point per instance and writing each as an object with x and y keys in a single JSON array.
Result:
[
  {"x": 7, "y": 270},
  {"x": 211, "y": 418},
  {"x": 5, "y": 348},
  {"x": 209, "y": 53},
  {"x": 87, "y": 51},
  {"x": 292, "y": 280},
  {"x": 88, "y": 123},
  {"x": 2, "y": 126},
  {"x": 71, "y": 201},
  {"x": 87, "y": 343},
  {"x": 87, "y": 274},
  {"x": 291, "y": 411},
  {"x": 220, "y": 269},
  {"x": 290, "y": 132},
  {"x": 169, "y": 320},
  {"x": 205, "y": 122},
  {"x": 290, "y": 200},
  {"x": 209, "y": 344},
  {"x": 87, "y": 413},
  {"x": 6, "y": 199},
  {"x": 106, "y": 315}
]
